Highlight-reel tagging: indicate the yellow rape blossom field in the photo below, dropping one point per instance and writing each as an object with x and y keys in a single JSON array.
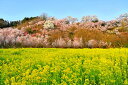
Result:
[{"x": 57, "y": 66}]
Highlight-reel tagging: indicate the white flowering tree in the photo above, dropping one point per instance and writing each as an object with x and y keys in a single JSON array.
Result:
[
  {"x": 49, "y": 25},
  {"x": 90, "y": 19},
  {"x": 123, "y": 16},
  {"x": 123, "y": 19},
  {"x": 71, "y": 19}
]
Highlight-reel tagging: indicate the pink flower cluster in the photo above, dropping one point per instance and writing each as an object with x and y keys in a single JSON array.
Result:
[
  {"x": 10, "y": 37},
  {"x": 67, "y": 32}
]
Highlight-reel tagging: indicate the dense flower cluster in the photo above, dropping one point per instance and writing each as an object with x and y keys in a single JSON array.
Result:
[
  {"x": 68, "y": 32},
  {"x": 49, "y": 25},
  {"x": 8, "y": 37},
  {"x": 51, "y": 66}
]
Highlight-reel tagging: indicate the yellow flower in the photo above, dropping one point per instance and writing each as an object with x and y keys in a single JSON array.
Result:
[
  {"x": 112, "y": 81},
  {"x": 126, "y": 82},
  {"x": 68, "y": 70}
]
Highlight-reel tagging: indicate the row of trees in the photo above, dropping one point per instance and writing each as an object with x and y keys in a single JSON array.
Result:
[
  {"x": 70, "y": 20},
  {"x": 5, "y": 23},
  {"x": 44, "y": 31}
]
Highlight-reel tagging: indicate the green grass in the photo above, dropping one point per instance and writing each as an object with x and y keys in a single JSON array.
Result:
[{"x": 56, "y": 66}]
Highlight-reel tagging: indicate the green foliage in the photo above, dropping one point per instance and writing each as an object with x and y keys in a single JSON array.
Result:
[
  {"x": 26, "y": 19},
  {"x": 3, "y": 23},
  {"x": 30, "y": 30},
  {"x": 14, "y": 23}
]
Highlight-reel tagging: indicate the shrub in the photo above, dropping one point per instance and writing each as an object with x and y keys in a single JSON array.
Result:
[
  {"x": 78, "y": 43},
  {"x": 31, "y": 30},
  {"x": 69, "y": 43},
  {"x": 92, "y": 44},
  {"x": 8, "y": 37},
  {"x": 102, "y": 44},
  {"x": 29, "y": 41},
  {"x": 54, "y": 35},
  {"x": 59, "y": 43},
  {"x": 49, "y": 25}
]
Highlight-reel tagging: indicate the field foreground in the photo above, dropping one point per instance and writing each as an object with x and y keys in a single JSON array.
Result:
[{"x": 56, "y": 66}]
